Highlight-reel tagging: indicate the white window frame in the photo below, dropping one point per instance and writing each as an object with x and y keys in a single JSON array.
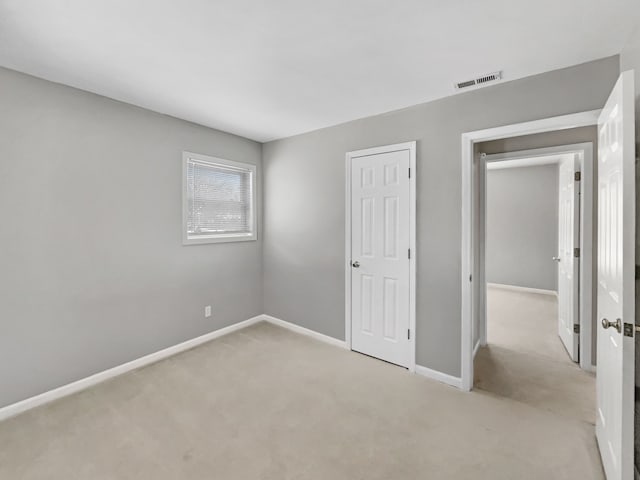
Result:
[{"x": 220, "y": 237}]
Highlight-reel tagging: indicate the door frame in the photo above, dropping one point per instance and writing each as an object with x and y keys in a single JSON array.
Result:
[
  {"x": 586, "y": 312},
  {"x": 411, "y": 146},
  {"x": 468, "y": 257}
]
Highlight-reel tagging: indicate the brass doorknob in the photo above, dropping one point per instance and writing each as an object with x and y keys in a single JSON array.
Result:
[{"x": 608, "y": 324}]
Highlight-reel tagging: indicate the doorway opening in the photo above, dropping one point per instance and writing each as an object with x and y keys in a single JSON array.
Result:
[
  {"x": 472, "y": 275},
  {"x": 535, "y": 214},
  {"x": 615, "y": 266},
  {"x": 535, "y": 323}
]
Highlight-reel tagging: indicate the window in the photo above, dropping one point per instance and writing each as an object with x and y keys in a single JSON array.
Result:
[{"x": 218, "y": 200}]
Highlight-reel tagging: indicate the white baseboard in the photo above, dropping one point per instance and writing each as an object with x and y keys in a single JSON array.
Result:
[
  {"x": 84, "y": 383},
  {"x": 516, "y": 288},
  {"x": 439, "y": 376},
  {"x": 420, "y": 370},
  {"x": 305, "y": 331}
]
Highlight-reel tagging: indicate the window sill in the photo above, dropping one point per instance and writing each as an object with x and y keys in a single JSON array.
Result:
[{"x": 202, "y": 240}]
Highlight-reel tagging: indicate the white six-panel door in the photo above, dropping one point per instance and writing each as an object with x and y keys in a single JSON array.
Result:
[
  {"x": 380, "y": 266},
  {"x": 568, "y": 264},
  {"x": 616, "y": 288}
]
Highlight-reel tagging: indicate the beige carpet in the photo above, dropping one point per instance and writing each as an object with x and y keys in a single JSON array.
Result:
[
  {"x": 266, "y": 403},
  {"x": 525, "y": 359}
]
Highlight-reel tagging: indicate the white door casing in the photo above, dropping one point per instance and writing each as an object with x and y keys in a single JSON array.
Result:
[
  {"x": 615, "y": 280},
  {"x": 467, "y": 250},
  {"x": 380, "y": 264},
  {"x": 568, "y": 264}
]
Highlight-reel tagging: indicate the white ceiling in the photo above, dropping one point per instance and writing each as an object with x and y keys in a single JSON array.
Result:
[{"x": 267, "y": 69}]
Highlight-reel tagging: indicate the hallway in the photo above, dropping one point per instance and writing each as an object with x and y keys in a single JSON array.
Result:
[{"x": 525, "y": 359}]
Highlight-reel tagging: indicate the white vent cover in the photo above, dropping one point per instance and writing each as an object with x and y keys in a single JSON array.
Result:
[{"x": 488, "y": 78}]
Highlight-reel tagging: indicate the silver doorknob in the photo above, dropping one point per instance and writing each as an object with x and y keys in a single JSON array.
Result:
[
  {"x": 555, "y": 259},
  {"x": 608, "y": 324},
  {"x": 355, "y": 264}
]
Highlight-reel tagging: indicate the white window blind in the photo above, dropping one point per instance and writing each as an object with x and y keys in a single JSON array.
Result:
[{"x": 219, "y": 200}]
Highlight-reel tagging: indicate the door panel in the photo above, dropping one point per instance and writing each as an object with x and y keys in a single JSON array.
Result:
[
  {"x": 380, "y": 223},
  {"x": 615, "y": 282},
  {"x": 390, "y": 306},
  {"x": 391, "y": 227},
  {"x": 368, "y": 213},
  {"x": 568, "y": 265},
  {"x": 366, "y": 292}
]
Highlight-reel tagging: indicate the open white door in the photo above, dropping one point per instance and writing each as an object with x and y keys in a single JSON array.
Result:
[
  {"x": 616, "y": 284},
  {"x": 568, "y": 263}
]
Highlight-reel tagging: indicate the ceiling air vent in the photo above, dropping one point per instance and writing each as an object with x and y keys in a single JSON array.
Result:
[{"x": 489, "y": 77}]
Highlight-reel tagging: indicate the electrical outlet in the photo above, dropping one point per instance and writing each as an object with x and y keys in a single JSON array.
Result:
[{"x": 207, "y": 311}]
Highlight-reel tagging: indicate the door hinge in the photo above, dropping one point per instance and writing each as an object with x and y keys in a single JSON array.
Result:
[
  {"x": 408, "y": 334},
  {"x": 576, "y": 252},
  {"x": 409, "y": 254},
  {"x": 577, "y": 176},
  {"x": 576, "y": 328},
  {"x": 409, "y": 172}
]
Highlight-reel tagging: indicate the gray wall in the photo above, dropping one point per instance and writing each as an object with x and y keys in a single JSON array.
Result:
[
  {"x": 522, "y": 226},
  {"x": 305, "y": 201},
  {"x": 94, "y": 271}
]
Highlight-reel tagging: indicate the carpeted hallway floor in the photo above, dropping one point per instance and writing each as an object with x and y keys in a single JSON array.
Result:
[
  {"x": 266, "y": 403},
  {"x": 525, "y": 359}
]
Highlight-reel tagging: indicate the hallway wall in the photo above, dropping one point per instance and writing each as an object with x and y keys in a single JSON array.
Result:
[{"x": 522, "y": 226}]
